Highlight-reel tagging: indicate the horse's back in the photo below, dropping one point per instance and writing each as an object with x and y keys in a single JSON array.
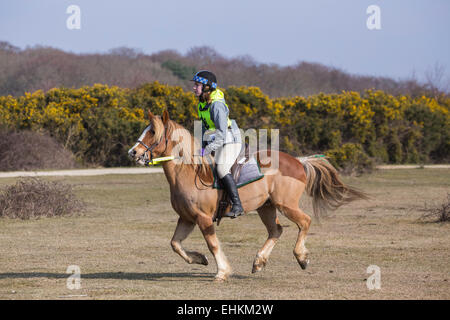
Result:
[{"x": 286, "y": 164}]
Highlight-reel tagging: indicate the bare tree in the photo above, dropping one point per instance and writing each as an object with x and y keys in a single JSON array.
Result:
[
  {"x": 436, "y": 80},
  {"x": 44, "y": 68}
]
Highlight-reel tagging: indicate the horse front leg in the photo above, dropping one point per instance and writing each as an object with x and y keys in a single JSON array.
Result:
[
  {"x": 182, "y": 231},
  {"x": 206, "y": 225}
]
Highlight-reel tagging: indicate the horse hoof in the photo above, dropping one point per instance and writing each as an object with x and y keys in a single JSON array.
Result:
[
  {"x": 259, "y": 264},
  {"x": 218, "y": 279},
  {"x": 198, "y": 258},
  {"x": 204, "y": 260},
  {"x": 303, "y": 264},
  {"x": 257, "y": 267},
  {"x": 222, "y": 276}
]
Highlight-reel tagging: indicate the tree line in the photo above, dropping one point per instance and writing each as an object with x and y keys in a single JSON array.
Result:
[{"x": 43, "y": 68}]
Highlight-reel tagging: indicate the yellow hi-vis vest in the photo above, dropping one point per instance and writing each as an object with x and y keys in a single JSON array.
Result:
[{"x": 203, "y": 110}]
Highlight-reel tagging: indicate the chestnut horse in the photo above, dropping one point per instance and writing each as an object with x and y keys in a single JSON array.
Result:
[{"x": 190, "y": 178}]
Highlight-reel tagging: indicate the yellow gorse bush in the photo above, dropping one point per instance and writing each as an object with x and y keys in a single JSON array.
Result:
[{"x": 99, "y": 123}]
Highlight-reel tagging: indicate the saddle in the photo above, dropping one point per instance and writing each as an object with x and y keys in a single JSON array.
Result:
[{"x": 244, "y": 171}]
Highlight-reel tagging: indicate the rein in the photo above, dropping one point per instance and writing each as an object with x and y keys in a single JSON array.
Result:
[{"x": 200, "y": 179}]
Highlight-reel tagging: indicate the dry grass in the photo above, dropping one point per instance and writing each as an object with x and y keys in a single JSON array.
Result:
[{"x": 122, "y": 246}]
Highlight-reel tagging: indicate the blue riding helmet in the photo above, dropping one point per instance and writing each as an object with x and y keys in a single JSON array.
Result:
[{"x": 206, "y": 77}]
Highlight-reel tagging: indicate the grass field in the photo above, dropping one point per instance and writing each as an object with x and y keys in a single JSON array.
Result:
[{"x": 122, "y": 246}]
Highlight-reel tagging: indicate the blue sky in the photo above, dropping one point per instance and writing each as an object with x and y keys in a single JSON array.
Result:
[{"x": 414, "y": 34}]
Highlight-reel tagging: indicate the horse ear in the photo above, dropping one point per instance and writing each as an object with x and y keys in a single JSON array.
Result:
[
  {"x": 165, "y": 117},
  {"x": 150, "y": 115}
]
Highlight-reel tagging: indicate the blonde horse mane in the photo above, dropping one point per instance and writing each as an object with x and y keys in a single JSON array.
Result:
[{"x": 185, "y": 149}]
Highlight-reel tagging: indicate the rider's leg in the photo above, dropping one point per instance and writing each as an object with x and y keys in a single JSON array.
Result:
[
  {"x": 225, "y": 158},
  {"x": 230, "y": 187}
]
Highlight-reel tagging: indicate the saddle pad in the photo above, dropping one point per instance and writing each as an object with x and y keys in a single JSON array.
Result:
[{"x": 243, "y": 174}]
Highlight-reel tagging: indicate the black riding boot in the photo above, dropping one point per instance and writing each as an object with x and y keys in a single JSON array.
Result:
[{"x": 230, "y": 187}]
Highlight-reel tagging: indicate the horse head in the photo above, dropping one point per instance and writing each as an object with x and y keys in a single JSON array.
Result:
[{"x": 153, "y": 141}]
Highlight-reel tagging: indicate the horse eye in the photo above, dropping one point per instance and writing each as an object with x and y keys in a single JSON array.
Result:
[{"x": 152, "y": 132}]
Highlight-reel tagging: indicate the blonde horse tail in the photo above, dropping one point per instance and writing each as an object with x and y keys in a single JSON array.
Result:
[{"x": 326, "y": 188}]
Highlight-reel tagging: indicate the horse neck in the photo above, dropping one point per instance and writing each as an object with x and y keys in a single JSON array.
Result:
[
  {"x": 181, "y": 175},
  {"x": 178, "y": 174},
  {"x": 170, "y": 172}
]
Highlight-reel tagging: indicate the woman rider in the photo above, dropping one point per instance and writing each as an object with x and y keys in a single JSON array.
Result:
[{"x": 220, "y": 134}]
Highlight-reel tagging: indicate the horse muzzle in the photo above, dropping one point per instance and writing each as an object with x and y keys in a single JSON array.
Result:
[
  {"x": 140, "y": 159},
  {"x": 132, "y": 153}
]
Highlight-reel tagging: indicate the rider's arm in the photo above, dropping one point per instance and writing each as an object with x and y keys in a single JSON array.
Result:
[
  {"x": 204, "y": 142},
  {"x": 219, "y": 114}
]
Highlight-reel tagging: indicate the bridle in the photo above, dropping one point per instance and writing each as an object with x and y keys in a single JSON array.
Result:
[
  {"x": 149, "y": 149},
  {"x": 153, "y": 146}
]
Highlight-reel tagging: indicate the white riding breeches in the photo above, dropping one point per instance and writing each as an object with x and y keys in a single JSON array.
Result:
[{"x": 225, "y": 157}]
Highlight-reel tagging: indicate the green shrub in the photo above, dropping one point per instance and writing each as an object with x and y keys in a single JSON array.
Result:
[
  {"x": 350, "y": 158},
  {"x": 178, "y": 69}
]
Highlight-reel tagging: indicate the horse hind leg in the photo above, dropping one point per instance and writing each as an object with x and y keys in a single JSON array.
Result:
[
  {"x": 303, "y": 221},
  {"x": 182, "y": 231},
  {"x": 268, "y": 215}
]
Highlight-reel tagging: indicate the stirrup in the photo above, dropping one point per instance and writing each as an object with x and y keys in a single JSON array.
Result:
[{"x": 233, "y": 215}]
